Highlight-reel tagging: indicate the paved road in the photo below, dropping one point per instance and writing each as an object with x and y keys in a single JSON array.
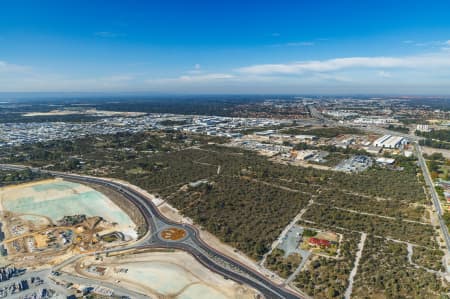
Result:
[
  {"x": 429, "y": 182},
  {"x": 434, "y": 195},
  {"x": 384, "y": 131},
  {"x": 316, "y": 114},
  {"x": 208, "y": 256}
]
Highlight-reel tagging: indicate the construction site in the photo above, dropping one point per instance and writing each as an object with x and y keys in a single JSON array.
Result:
[
  {"x": 153, "y": 272},
  {"x": 47, "y": 221}
]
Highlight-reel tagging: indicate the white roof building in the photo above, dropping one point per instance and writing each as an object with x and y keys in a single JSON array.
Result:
[
  {"x": 423, "y": 128},
  {"x": 384, "y": 160},
  {"x": 390, "y": 141},
  {"x": 380, "y": 141}
]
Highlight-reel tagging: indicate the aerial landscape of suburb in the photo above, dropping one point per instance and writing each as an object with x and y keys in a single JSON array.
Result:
[{"x": 225, "y": 149}]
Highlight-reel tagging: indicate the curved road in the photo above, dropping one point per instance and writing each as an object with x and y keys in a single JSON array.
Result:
[{"x": 206, "y": 255}]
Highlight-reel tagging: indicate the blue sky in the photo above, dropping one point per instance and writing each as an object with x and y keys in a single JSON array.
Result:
[{"x": 226, "y": 46}]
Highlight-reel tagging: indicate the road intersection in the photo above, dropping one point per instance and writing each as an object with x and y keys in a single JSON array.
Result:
[{"x": 192, "y": 243}]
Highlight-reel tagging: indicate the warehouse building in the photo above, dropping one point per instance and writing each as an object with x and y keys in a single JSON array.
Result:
[{"x": 390, "y": 141}]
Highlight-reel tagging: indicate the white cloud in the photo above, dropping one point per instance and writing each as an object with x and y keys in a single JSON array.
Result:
[
  {"x": 206, "y": 77},
  {"x": 384, "y": 74},
  {"x": 415, "y": 74},
  {"x": 118, "y": 78},
  {"x": 6, "y": 67},
  {"x": 187, "y": 79},
  {"x": 296, "y": 44},
  {"x": 429, "y": 44},
  {"x": 438, "y": 60},
  {"x": 332, "y": 77},
  {"x": 197, "y": 70},
  {"x": 293, "y": 44}
]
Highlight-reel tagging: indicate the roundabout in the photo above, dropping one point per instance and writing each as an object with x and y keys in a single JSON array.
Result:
[
  {"x": 173, "y": 234},
  {"x": 182, "y": 237}
]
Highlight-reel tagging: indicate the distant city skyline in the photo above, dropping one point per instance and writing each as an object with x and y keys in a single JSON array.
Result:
[{"x": 232, "y": 47}]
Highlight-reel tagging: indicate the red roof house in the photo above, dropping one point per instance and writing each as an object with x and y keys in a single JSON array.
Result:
[{"x": 319, "y": 242}]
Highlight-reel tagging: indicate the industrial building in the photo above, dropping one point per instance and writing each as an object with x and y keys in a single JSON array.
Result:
[
  {"x": 303, "y": 155},
  {"x": 354, "y": 164},
  {"x": 423, "y": 128},
  {"x": 385, "y": 161},
  {"x": 390, "y": 141}
]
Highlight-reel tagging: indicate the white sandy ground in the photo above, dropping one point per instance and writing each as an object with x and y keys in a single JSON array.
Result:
[
  {"x": 84, "y": 111},
  {"x": 173, "y": 214},
  {"x": 198, "y": 282},
  {"x": 57, "y": 198},
  {"x": 170, "y": 274}
]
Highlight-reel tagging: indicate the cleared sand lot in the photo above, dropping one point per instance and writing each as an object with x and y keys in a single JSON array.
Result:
[
  {"x": 430, "y": 150},
  {"x": 163, "y": 274},
  {"x": 84, "y": 112},
  {"x": 57, "y": 198}
]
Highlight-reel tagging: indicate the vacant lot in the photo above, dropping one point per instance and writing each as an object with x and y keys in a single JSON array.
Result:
[
  {"x": 57, "y": 198},
  {"x": 153, "y": 273}
]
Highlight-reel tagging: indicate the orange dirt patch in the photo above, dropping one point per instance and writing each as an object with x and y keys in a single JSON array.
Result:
[
  {"x": 41, "y": 240},
  {"x": 173, "y": 234}
]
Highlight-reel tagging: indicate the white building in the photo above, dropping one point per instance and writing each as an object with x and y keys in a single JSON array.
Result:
[
  {"x": 305, "y": 137},
  {"x": 374, "y": 121},
  {"x": 380, "y": 141},
  {"x": 423, "y": 128},
  {"x": 305, "y": 154},
  {"x": 387, "y": 161},
  {"x": 408, "y": 154},
  {"x": 339, "y": 113},
  {"x": 390, "y": 141}
]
